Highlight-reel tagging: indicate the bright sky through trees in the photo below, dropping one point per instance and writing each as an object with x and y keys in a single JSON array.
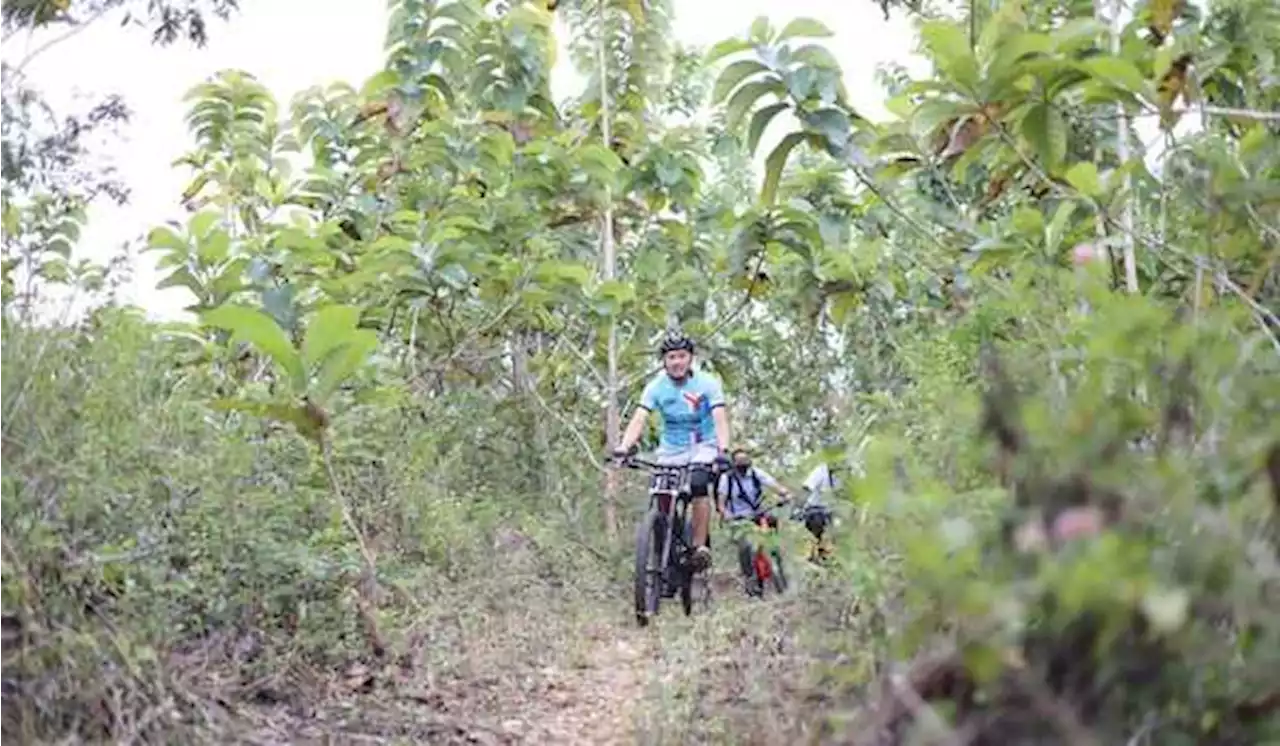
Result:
[{"x": 292, "y": 45}]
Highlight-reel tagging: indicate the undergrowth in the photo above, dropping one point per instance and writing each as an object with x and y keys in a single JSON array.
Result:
[{"x": 167, "y": 567}]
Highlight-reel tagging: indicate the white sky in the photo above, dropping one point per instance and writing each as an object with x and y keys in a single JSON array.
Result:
[{"x": 291, "y": 45}]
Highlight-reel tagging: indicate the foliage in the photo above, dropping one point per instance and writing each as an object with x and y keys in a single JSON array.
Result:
[
  {"x": 50, "y": 173},
  {"x": 403, "y": 273}
]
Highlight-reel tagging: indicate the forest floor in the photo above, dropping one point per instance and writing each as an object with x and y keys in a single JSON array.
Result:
[{"x": 560, "y": 672}]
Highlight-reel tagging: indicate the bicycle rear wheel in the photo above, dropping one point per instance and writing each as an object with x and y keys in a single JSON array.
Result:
[{"x": 648, "y": 581}]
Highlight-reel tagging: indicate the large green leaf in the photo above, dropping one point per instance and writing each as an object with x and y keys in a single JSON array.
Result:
[
  {"x": 833, "y": 125},
  {"x": 182, "y": 278},
  {"x": 725, "y": 48},
  {"x": 341, "y": 362},
  {"x": 329, "y": 328},
  {"x": 260, "y": 330},
  {"x": 1084, "y": 177},
  {"x": 202, "y": 223},
  {"x": 555, "y": 270},
  {"x": 734, "y": 74},
  {"x": 934, "y": 112},
  {"x": 1117, "y": 72},
  {"x": 760, "y": 121},
  {"x": 816, "y": 55},
  {"x": 1006, "y": 64},
  {"x": 804, "y": 27},
  {"x": 1077, "y": 34},
  {"x": 774, "y": 164},
  {"x": 600, "y": 163},
  {"x": 1058, "y": 226},
  {"x": 949, "y": 47},
  {"x": 380, "y": 84},
  {"x": 747, "y": 96},
  {"x": 165, "y": 238},
  {"x": 1045, "y": 129},
  {"x": 213, "y": 246}
]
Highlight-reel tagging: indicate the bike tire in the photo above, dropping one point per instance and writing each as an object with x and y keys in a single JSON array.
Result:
[
  {"x": 648, "y": 582},
  {"x": 686, "y": 594},
  {"x": 779, "y": 574},
  {"x": 684, "y": 539}
]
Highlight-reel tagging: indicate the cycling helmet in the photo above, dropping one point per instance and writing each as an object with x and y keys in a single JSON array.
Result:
[{"x": 675, "y": 341}]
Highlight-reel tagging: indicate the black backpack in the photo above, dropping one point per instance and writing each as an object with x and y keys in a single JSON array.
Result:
[{"x": 733, "y": 479}]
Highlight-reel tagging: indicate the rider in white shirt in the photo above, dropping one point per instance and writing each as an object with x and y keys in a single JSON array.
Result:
[
  {"x": 815, "y": 512},
  {"x": 819, "y": 481}
]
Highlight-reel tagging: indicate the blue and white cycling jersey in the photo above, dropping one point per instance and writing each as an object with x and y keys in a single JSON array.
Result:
[{"x": 685, "y": 408}]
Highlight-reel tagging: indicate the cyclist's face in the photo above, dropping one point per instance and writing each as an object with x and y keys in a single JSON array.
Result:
[
  {"x": 741, "y": 460},
  {"x": 677, "y": 363}
]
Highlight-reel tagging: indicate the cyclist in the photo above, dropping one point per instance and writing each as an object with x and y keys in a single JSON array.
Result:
[
  {"x": 814, "y": 511},
  {"x": 742, "y": 492},
  {"x": 821, "y": 479},
  {"x": 742, "y": 487},
  {"x": 694, "y": 429}
]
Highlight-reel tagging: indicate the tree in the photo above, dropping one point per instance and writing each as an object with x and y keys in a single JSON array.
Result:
[
  {"x": 405, "y": 339},
  {"x": 49, "y": 174}
]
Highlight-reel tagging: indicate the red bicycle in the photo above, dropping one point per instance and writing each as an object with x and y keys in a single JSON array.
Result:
[{"x": 762, "y": 566}]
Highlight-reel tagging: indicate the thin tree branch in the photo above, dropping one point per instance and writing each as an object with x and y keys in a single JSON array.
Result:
[
  {"x": 17, "y": 71},
  {"x": 574, "y": 430}
]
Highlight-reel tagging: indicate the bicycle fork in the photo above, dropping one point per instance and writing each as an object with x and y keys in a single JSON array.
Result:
[{"x": 669, "y": 539}]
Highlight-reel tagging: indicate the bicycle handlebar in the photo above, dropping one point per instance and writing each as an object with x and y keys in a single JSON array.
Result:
[
  {"x": 634, "y": 462},
  {"x": 765, "y": 511}
]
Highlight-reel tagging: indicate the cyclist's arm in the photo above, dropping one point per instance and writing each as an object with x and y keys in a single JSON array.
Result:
[
  {"x": 722, "y": 489},
  {"x": 635, "y": 428},
  {"x": 767, "y": 480},
  {"x": 720, "y": 416}
]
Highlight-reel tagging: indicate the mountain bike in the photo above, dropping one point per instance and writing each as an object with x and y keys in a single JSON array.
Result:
[
  {"x": 664, "y": 543},
  {"x": 763, "y": 566}
]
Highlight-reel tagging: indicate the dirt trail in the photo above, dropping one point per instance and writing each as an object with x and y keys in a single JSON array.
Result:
[
  {"x": 592, "y": 703},
  {"x": 531, "y": 681},
  {"x": 588, "y": 698}
]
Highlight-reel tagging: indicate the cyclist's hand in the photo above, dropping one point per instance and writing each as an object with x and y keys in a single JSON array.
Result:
[{"x": 619, "y": 455}]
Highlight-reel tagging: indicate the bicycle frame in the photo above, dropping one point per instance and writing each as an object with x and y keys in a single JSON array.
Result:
[
  {"x": 760, "y": 562},
  {"x": 765, "y": 524},
  {"x": 664, "y": 553},
  {"x": 670, "y": 495}
]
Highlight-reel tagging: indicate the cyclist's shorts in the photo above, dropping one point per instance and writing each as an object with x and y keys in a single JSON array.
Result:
[
  {"x": 698, "y": 453},
  {"x": 701, "y": 480},
  {"x": 817, "y": 520}
]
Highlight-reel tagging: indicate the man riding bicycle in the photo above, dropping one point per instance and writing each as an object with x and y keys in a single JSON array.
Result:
[
  {"x": 815, "y": 512},
  {"x": 742, "y": 487},
  {"x": 694, "y": 429},
  {"x": 742, "y": 491}
]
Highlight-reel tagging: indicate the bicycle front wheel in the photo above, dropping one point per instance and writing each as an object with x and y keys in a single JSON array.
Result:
[{"x": 648, "y": 581}]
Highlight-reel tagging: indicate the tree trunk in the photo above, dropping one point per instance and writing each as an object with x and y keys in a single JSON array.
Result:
[
  {"x": 1122, "y": 153},
  {"x": 608, "y": 251}
]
